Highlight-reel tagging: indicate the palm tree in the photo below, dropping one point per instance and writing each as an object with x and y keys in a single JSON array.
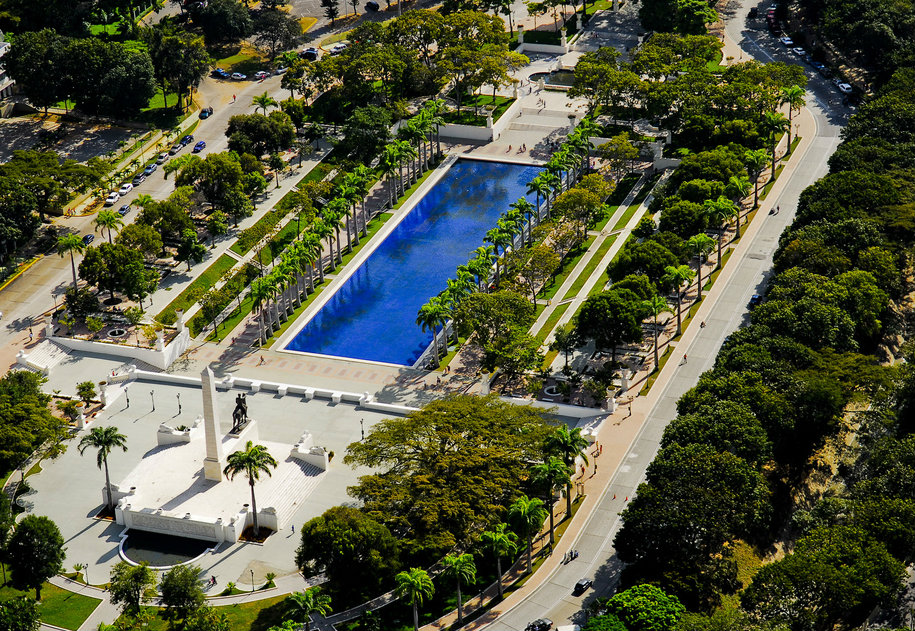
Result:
[
  {"x": 311, "y": 244},
  {"x": 263, "y": 102},
  {"x": 499, "y": 239},
  {"x": 793, "y": 97},
  {"x": 527, "y": 514},
  {"x": 501, "y": 543},
  {"x": 363, "y": 177},
  {"x": 323, "y": 230},
  {"x": 412, "y": 134},
  {"x": 414, "y": 586},
  {"x": 349, "y": 191},
  {"x": 554, "y": 187},
  {"x": 68, "y": 244},
  {"x": 539, "y": 187},
  {"x": 429, "y": 317},
  {"x": 718, "y": 211},
  {"x": 252, "y": 461},
  {"x": 435, "y": 107},
  {"x": 300, "y": 606},
  {"x": 676, "y": 275},
  {"x": 738, "y": 188},
  {"x": 104, "y": 439},
  {"x": 700, "y": 245},
  {"x": 527, "y": 211},
  {"x": 260, "y": 295},
  {"x": 462, "y": 569},
  {"x": 407, "y": 154},
  {"x": 568, "y": 445},
  {"x": 143, "y": 200},
  {"x": 772, "y": 126},
  {"x": 481, "y": 264},
  {"x": 108, "y": 220},
  {"x": 755, "y": 162},
  {"x": 552, "y": 474},
  {"x": 655, "y": 307},
  {"x": 390, "y": 164},
  {"x": 334, "y": 217}
]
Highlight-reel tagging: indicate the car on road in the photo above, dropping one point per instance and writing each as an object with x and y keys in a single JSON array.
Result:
[
  {"x": 755, "y": 301},
  {"x": 139, "y": 179},
  {"x": 540, "y": 624},
  {"x": 372, "y": 6},
  {"x": 310, "y": 53},
  {"x": 280, "y": 70},
  {"x": 126, "y": 187},
  {"x": 150, "y": 169},
  {"x": 787, "y": 41},
  {"x": 582, "y": 586},
  {"x": 219, "y": 73},
  {"x": 163, "y": 157},
  {"x": 175, "y": 148},
  {"x": 825, "y": 72},
  {"x": 800, "y": 52},
  {"x": 113, "y": 196},
  {"x": 260, "y": 75},
  {"x": 185, "y": 141},
  {"x": 844, "y": 88},
  {"x": 239, "y": 76},
  {"x": 123, "y": 210},
  {"x": 88, "y": 238},
  {"x": 205, "y": 113},
  {"x": 200, "y": 146},
  {"x": 338, "y": 48}
]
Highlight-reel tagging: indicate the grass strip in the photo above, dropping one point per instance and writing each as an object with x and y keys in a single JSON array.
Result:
[
  {"x": 551, "y": 322},
  {"x": 197, "y": 288},
  {"x": 591, "y": 266},
  {"x": 403, "y": 198},
  {"x": 59, "y": 607},
  {"x": 547, "y": 292}
]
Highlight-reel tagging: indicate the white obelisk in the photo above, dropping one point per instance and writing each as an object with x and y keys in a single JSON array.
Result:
[{"x": 213, "y": 463}]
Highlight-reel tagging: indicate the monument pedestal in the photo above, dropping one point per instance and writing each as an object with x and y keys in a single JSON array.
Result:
[{"x": 212, "y": 469}]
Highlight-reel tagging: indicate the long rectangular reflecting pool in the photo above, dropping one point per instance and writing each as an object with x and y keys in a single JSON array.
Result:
[{"x": 372, "y": 316}]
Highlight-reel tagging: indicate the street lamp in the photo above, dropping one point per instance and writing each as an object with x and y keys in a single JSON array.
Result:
[
  {"x": 152, "y": 396},
  {"x": 362, "y": 427},
  {"x": 127, "y": 396},
  {"x": 252, "y": 581},
  {"x": 179, "y": 402}
]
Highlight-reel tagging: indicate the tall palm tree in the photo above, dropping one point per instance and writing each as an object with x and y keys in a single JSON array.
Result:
[
  {"x": 414, "y": 586},
  {"x": 738, "y": 188},
  {"x": 390, "y": 164},
  {"x": 412, "y": 134},
  {"x": 323, "y": 230},
  {"x": 68, "y": 244},
  {"x": 143, "y": 200},
  {"x": 108, "y": 220},
  {"x": 772, "y": 126},
  {"x": 260, "y": 295},
  {"x": 540, "y": 188},
  {"x": 252, "y": 461},
  {"x": 700, "y": 245},
  {"x": 407, "y": 155},
  {"x": 263, "y": 102},
  {"x": 332, "y": 216},
  {"x": 793, "y": 97},
  {"x": 527, "y": 211},
  {"x": 718, "y": 211},
  {"x": 527, "y": 515},
  {"x": 501, "y": 543},
  {"x": 364, "y": 176},
  {"x": 567, "y": 444},
  {"x": 429, "y": 317},
  {"x": 655, "y": 306},
  {"x": 104, "y": 439},
  {"x": 755, "y": 162},
  {"x": 675, "y": 276},
  {"x": 350, "y": 193},
  {"x": 300, "y": 606},
  {"x": 481, "y": 265},
  {"x": 552, "y": 474},
  {"x": 311, "y": 243},
  {"x": 554, "y": 187},
  {"x": 435, "y": 107},
  {"x": 463, "y": 569}
]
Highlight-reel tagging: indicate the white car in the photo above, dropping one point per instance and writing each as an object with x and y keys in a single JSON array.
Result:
[
  {"x": 787, "y": 41},
  {"x": 800, "y": 52},
  {"x": 113, "y": 197},
  {"x": 338, "y": 48},
  {"x": 162, "y": 157},
  {"x": 126, "y": 187},
  {"x": 844, "y": 88}
]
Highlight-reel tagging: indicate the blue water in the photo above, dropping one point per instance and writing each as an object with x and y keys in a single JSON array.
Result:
[{"x": 373, "y": 314}]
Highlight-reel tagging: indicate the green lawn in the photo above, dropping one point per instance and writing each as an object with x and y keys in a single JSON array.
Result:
[
  {"x": 590, "y": 267},
  {"x": 58, "y": 606},
  {"x": 467, "y": 116},
  {"x": 403, "y": 198},
  {"x": 551, "y": 322},
  {"x": 198, "y": 287},
  {"x": 568, "y": 264},
  {"x": 259, "y": 615},
  {"x": 245, "y": 61}
]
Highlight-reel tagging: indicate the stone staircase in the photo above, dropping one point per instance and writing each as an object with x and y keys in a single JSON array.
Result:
[
  {"x": 543, "y": 120},
  {"x": 44, "y": 357},
  {"x": 294, "y": 484}
]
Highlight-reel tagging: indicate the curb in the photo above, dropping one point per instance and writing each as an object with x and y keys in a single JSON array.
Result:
[{"x": 21, "y": 271}]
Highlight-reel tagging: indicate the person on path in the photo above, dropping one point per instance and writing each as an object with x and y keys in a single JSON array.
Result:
[{"x": 684, "y": 358}]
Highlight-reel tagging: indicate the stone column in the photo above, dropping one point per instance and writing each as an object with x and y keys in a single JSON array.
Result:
[
  {"x": 213, "y": 463},
  {"x": 180, "y": 322}
]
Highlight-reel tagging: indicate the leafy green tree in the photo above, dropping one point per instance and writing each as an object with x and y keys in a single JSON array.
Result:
[
  {"x": 366, "y": 132},
  {"x": 260, "y": 133},
  {"x": 446, "y": 469},
  {"x": 142, "y": 238},
  {"x": 527, "y": 515},
  {"x": 222, "y": 21},
  {"x": 518, "y": 353},
  {"x": 85, "y": 390},
  {"x": 604, "y": 622},
  {"x": 793, "y": 97},
  {"x": 565, "y": 340},
  {"x": 190, "y": 250},
  {"x": 610, "y": 318},
  {"x": 300, "y": 606},
  {"x": 104, "y": 440},
  {"x": 35, "y": 553},
  {"x": 646, "y": 608},
  {"x": 500, "y": 542},
  {"x": 357, "y": 553},
  {"x": 207, "y": 619},
  {"x": 676, "y": 276},
  {"x": 20, "y": 614},
  {"x": 217, "y": 224},
  {"x": 181, "y": 591},
  {"x": 491, "y": 316},
  {"x": 129, "y": 585},
  {"x": 27, "y": 419},
  {"x": 275, "y": 30},
  {"x": 727, "y": 426},
  {"x": 463, "y": 569},
  {"x": 648, "y": 257},
  {"x": 251, "y": 461},
  {"x": 115, "y": 267},
  {"x": 414, "y": 586}
]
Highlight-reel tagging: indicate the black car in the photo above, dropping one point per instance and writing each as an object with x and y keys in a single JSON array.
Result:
[
  {"x": 372, "y": 6},
  {"x": 540, "y": 624},
  {"x": 309, "y": 53},
  {"x": 187, "y": 140},
  {"x": 755, "y": 301},
  {"x": 123, "y": 210},
  {"x": 206, "y": 112},
  {"x": 88, "y": 238},
  {"x": 582, "y": 586}
]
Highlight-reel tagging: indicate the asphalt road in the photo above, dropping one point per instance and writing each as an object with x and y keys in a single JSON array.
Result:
[{"x": 597, "y": 558}]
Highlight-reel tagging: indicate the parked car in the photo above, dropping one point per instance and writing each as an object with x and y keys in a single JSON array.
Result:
[
  {"x": 338, "y": 48},
  {"x": 162, "y": 158},
  {"x": 175, "y": 148},
  {"x": 372, "y": 6},
  {"x": 187, "y": 140},
  {"x": 540, "y": 624},
  {"x": 800, "y": 52},
  {"x": 206, "y": 112},
  {"x": 310, "y": 53},
  {"x": 787, "y": 41},
  {"x": 139, "y": 179},
  {"x": 200, "y": 146},
  {"x": 260, "y": 75},
  {"x": 844, "y": 88},
  {"x": 582, "y": 586},
  {"x": 825, "y": 72},
  {"x": 150, "y": 169},
  {"x": 281, "y": 70},
  {"x": 219, "y": 73},
  {"x": 113, "y": 196},
  {"x": 755, "y": 301},
  {"x": 88, "y": 238},
  {"x": 239, "y": 76},
  {"x": 123, "y": 210},
  {"x": 126, "y": 187}
]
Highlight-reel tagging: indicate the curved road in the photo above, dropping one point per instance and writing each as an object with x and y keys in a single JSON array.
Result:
[{"x": 597, "y": 560}]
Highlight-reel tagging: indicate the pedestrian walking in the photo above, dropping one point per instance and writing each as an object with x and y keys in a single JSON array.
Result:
[
  {"x": 601, "y": 449},
  {"x": 262, "y": 361},
  {"x": 684, "y": 358},
  {"x": 30, "y": 334},
  {"x": 702, "y": 324},
  {"x": 293, "y": 528}
]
